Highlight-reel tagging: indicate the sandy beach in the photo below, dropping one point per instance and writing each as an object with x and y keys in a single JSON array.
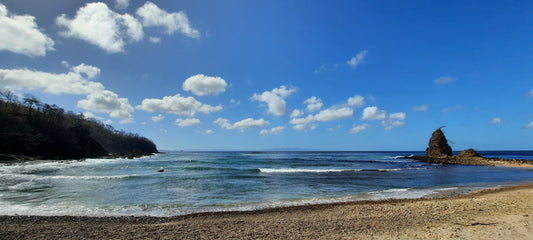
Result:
[{"x": 501, "y": 213}]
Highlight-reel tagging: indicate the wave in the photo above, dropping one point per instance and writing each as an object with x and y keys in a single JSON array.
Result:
[
  {"x": 61, "y": 177},
  {"x": 310, "y": 170}
]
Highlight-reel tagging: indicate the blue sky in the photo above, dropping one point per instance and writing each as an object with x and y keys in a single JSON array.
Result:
[{"x": 253, "y": 75}]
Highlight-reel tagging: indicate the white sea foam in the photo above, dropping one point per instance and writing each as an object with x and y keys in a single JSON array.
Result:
[
  {"x": 31, "y": 177},
  {"x": 304, "y": 170}
]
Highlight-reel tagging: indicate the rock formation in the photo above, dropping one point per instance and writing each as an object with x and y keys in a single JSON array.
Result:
[
  {"x": 438, "y": 145},
  {"x": 468, "y": 153}
]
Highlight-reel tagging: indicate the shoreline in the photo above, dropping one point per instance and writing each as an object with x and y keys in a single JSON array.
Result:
[
  {"x": 493, "y": 213},
  {"x": 482, "y": 161}
]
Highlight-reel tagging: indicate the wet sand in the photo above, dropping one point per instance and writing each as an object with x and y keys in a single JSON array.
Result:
[{"x": 501, "y": 213}]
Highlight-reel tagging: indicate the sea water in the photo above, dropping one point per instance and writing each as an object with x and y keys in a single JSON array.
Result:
[{"x": 227, "y": 181}]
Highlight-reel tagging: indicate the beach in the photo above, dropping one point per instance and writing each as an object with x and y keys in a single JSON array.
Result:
[{"x": 498, "y": 213}]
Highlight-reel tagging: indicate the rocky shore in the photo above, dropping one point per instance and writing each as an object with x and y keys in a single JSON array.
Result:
[
  {"x": 440, "y": 152},
  {"x": 502, "y": 213}
]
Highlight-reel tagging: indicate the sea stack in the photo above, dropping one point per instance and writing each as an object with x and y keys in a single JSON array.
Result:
[{"x": 438, "y": 145}]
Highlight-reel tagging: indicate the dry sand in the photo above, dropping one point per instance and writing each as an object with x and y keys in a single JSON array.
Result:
[{"x": 502, "y": 213}]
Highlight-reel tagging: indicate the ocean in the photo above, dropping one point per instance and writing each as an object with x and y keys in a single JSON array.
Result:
[{"x": 195, "y": 182}]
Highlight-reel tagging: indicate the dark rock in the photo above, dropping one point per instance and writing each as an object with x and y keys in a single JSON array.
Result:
[
  {"x": 438, "y": 145},
  {"x": 468, "y": 153}
]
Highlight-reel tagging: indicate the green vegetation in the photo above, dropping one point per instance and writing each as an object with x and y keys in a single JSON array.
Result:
[{"x": 30, "y": 129}]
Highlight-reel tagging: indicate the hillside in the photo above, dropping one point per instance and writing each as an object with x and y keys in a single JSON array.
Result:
[{"x": 31, "y": 129}]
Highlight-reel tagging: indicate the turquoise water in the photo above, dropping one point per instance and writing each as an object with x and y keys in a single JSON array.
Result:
[{"x": 221, "y": 181}]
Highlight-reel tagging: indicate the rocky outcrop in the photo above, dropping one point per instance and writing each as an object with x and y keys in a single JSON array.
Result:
[
  {"x": 468, "y": 153},
  {"x": 438, "y": 145},
  {"x": 439, "y": 152}
]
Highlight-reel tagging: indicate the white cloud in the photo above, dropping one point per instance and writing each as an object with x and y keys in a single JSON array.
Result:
[
  {"x": 70, "y": 83},
  {"x": 421, "y": 108},
  {"x": 332, "y": 114},
  {"x": 75, "y": 82},
  {"x": 88, "y": 70},
  {"x": 356, "y": 101},
  {"x": 530, "y": 125},
  {"x": 209, "y": 131},
  {"x": 297, "y": 113},
  {"x": 108, "y": 102},
  {"x": 158, "y": 118},
  {"x": 394, "y": 120},
  {"x": 530, "y": 94},
  {"x": 313, "y": 104},
  {"x": 154, "y": 39},
  {"x": 373, "y": 113},
  {"x": 303, "y": 123},
  {"x": 275, "y": 99},
  {"x": 357, "y": 59},
  {"x": 95, "y": 23},
  {"x": 273, "y": 131},
  {"x": 122, "y": 4},
  {"x": 358, "y": 128},
  {"x": 496, "y": 120},
  {"x": 245, "y": 123},
  {"x": 20, "y": 34},
  {"x": 153, "y": 16},
  {"x": 443, "y": 80},
  {"x": 235, "y": 102},
  {"x": 203, "y": 85},
  {"x": 187, "y": 122},
  {"x": 326, "y": 115},
  {"x": 177, "y": 104}
]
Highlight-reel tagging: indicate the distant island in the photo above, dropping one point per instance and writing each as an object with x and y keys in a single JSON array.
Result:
[
  {"x": 438, "y": 151},
  {"x": 33, "y": 130}
]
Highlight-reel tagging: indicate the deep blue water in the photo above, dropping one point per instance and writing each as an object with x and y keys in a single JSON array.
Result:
[{"x": 219, "y": 181}]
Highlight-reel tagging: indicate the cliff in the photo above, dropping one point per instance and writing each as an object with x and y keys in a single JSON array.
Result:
[{"x": 42, "y": 131}]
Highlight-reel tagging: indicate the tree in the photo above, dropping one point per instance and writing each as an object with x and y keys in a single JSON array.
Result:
[{"x": 30, "y": 101}]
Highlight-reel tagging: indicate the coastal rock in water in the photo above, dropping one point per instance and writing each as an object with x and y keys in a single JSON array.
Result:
[
  {"x": 438, "y": 145},
  {"x": 468, "y": 153}
]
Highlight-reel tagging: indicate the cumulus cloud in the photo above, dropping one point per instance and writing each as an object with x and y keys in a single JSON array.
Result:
[
  {"x": 203, "y": 85},
  {"x": 275, "y": 99},
  {"x": 243, "y": 124},
  {"x": 530, "y": 94},
  {"x": 96, "y": 24},
  {"x": 108, "y": 102},
  {"x": 496, "y": 120},
  {"x": 421, "y": 108},
  {"x": 326, "y": 115},
  {"x": 177, "y": 104},
  {"x": 373, "y": 113},
  {"x": 21, "y": 35},
  {"x": 358, "y": 128},
  {"x": 122, "y": 4},
  {"x": 272, "y": 131},
  {"x": 297, "y": 113},
  {"x": 332, "y": 114},
  {"x": 187, "y": 122},
  {"x": 154, "y": 39},
  {"x": 530, "y": 125},
  {"x": 356, "y": 101},
  {"x": 158, "y": 118},
  {"x": 209, "y": 131},
  {"x": 74, "y": 82},
  {"x": 357, "y": 59},
  {"x": 313, "y": 104},
  {"x": 153, "y": 16},
  {"x": 443, "y": 80},
  {"x": 394, "y": 120}
]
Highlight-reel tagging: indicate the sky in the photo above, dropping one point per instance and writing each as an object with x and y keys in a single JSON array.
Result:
[{"x": 260, "y": 75}]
